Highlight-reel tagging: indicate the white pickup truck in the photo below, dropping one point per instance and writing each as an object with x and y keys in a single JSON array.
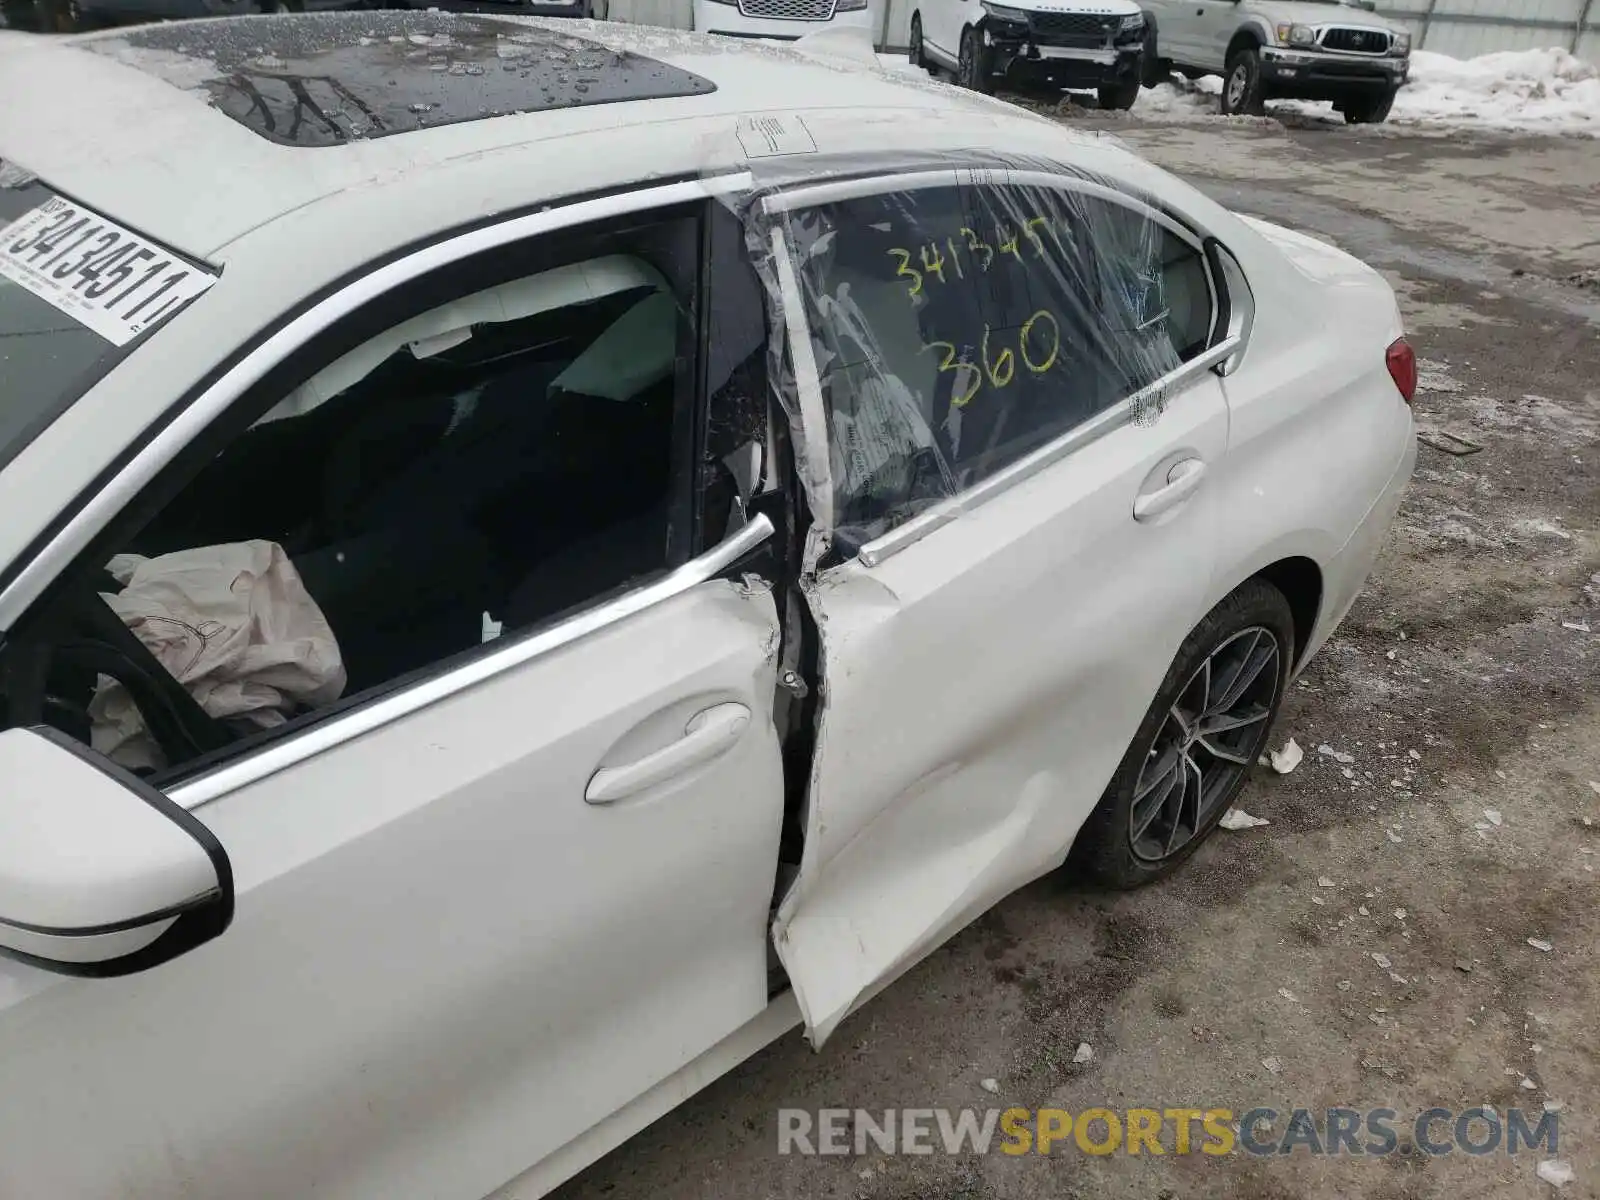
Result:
[{"x": 1337, "y": 50}]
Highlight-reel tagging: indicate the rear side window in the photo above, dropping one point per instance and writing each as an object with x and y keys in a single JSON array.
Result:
[
  {"x": 1155, "y": 291},
  {"x": 957, "y": 329}
]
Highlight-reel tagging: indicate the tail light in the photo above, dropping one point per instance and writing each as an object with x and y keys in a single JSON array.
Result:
[{"x": 1402, "y": 360}]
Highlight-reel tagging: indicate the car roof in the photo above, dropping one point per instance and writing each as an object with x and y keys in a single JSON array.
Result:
[{"x": 198, "y": 132}]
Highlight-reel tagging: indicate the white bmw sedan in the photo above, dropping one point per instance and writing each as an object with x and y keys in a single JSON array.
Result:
[{"x": 538, "y": 558}]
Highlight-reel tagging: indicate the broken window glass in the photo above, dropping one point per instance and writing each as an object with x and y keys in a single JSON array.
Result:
[{"x": 961, "y": 320}]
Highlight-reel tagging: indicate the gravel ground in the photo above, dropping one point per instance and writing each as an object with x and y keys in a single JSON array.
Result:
[{"x": 1450, "y": 819}]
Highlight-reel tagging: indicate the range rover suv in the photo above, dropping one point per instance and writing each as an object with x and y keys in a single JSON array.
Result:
[
  {"x": 779, "y": 20},
  {"x": 1090, "y": 44}
]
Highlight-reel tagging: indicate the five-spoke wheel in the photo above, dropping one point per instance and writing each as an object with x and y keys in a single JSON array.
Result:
[
  {"x": 1209, "y": 722},
  {"x": 1205, "y": 743}
]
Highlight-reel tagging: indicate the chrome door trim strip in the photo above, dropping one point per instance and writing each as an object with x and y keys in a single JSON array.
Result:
[
  {"x": 1098, "y": 426},
  {"x": 812, "y": 195},
  {"x": 296, "y": 748}
]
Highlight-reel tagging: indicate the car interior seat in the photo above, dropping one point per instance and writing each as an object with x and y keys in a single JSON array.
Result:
[
  {"x": 429, "y": 478},
  {"x": 548, "y": 454}
]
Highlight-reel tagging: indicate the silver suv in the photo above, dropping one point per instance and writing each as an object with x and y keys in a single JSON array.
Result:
[{"x": 1338, "y": 50}]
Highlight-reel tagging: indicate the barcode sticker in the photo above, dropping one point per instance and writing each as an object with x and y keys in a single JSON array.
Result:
[{"x": 107, "y": 278}]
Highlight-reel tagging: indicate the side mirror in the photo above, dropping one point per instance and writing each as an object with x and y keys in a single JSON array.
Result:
[{"x": 100, "y": 874}]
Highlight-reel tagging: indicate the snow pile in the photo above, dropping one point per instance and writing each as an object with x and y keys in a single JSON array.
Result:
[
  {"x": 1182, "y": 97},
  {"x": 898, "y": 64},
  {"x": 1543, "y": 91},
  {"x": 1525, "y": 91}
]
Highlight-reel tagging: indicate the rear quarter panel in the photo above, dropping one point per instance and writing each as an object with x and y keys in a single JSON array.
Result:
[{"x": 1318, "y": 430}]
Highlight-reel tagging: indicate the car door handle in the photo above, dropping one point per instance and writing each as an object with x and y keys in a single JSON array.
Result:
[
  {"x": 1183, "y": 477},
  {"x": 709, "y": 733}
]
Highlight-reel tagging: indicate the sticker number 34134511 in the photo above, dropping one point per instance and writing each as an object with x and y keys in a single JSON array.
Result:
[{"x": 101, "y": 275}]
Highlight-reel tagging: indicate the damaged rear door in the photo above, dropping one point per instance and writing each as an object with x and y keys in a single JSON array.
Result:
[{"x": 1005, "y": 406}]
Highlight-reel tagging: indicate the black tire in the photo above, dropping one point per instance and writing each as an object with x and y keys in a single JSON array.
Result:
[
  {"x": 1241, "y": 85},
  {"x": 914, "y": 44},
  {"x": 1152, "y": 70},
  {"x": 1368, "y": 110},
  {"x": 1109, "y": 849},
  {"x": 1120, "y": 95},
  {"x": 972, "y": 67}
]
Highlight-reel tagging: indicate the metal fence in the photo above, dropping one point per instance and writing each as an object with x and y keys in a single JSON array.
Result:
[{"x": 1465, "y": 28}]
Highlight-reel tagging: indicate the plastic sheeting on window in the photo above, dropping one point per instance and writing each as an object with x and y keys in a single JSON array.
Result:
[{"x": 956, "y": 320}]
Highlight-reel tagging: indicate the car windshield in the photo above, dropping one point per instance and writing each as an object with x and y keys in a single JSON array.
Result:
[{"x": 76, "y": 290}]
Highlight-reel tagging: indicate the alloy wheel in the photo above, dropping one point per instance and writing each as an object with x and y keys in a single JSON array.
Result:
[
  {"x": 1237, "y": 82},
  {"x": 1212, "y": 733}
]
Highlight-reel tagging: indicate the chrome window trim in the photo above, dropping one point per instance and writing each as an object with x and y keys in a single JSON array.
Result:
[
  {"x": 1214, "y": 291},
  {"x": 1026, "y": 467},
  {"x": 296, "y": 748},
  {"x": 1241, "y": 316},
  {"x": 70, "y": 540},
  {"x": 812, "y": 195}
]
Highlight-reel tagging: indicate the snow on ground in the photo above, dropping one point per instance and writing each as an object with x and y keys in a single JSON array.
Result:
[
  {"x": 898, "y": 62},
  {"x": 1526, "y": 91},
  {"x": 1535, "y": 90}
]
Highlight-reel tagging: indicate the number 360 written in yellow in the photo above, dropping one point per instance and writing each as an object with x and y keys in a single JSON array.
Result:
[{"x": 1001, "y": 368}]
